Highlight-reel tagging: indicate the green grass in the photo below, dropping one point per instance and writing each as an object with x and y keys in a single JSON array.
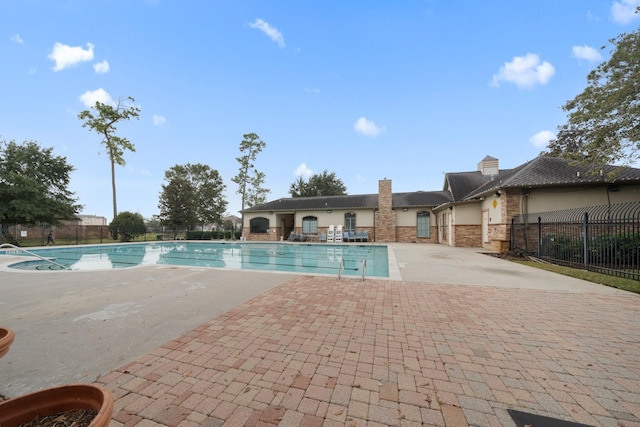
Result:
[{"x": 603, "y": 279}]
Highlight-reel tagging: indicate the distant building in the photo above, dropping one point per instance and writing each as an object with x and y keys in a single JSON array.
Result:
[
  {"x": 237, "y": 222},
  {"x": 92, "y": 220}
]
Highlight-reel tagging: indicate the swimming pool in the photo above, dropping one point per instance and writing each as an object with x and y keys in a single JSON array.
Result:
[{"x": 299, "y": 258}]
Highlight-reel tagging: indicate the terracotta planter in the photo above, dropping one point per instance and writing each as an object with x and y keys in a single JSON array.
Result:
[
  {"x": 6, "y": 339},
  {"x": 21, "y": 409}
]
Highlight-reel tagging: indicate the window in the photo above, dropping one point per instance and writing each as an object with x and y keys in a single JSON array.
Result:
[
  {"x": 424, "y": 224},
  {"x": 259, "y": 225},
  {"x": 350, "y": 222},
  {"x": 309, "y": 225}
]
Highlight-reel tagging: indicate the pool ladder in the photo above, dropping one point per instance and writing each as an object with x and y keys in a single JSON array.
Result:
[
  {"x": 341, "y": 268},
  {"x": 9, "y": 245}
]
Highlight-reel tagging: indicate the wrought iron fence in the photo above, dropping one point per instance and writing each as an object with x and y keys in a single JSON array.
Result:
[
  {"x": 41, "y": 235},
  {"x": 605, "y": 239},
  {"x": 77, "y": 234}
]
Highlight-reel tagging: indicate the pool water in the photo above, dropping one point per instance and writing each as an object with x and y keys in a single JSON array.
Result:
[{"x": 300, "y": 258}]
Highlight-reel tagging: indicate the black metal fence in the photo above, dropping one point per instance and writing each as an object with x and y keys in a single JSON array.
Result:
[
  {"x": 77, "y": 234},
  {"x": 59, "y": 235},
  {"x": 604, "y": 239}
]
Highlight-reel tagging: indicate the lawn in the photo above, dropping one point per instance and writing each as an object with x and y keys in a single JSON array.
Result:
[{"x": 603, "y": 279}]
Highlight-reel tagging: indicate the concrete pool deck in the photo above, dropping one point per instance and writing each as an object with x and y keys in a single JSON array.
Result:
[{"x": 459, "y": 340}]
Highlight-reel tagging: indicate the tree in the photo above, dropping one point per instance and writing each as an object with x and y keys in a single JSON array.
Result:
[
  {"x": 127, "y": 226},
  {"x": 33, "y": 187},
  {"x": 104, "y": 123},
  {"x": 603, "y": 123},
  {"x": 249, "y": 179},
  {"x": 324, "y": 184},
  {"x": 192, "y": 195}
]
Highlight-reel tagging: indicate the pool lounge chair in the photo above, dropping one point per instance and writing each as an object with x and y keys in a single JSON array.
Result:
[{"x": 331, "y": 234}]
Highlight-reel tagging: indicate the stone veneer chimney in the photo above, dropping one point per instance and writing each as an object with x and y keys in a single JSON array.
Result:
[{"x": 385, "y": 217}]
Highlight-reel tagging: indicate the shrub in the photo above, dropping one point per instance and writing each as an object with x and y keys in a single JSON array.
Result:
[{"x": 127, "y": 226}]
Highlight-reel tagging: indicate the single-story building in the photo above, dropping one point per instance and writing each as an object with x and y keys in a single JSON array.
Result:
[{"x": 474, "y": 209}]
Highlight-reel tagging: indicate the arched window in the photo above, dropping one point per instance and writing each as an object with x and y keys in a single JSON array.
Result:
[
  {"x": 259, "y": 225},
  {"x": 424, "y": 225},
  {"x": 350, "y": 221},
  {"x": 309, "y": 225}
]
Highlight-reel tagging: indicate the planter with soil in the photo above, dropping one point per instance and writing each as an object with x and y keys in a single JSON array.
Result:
[
  {"x": 6, "y": 339},
  {"x": 86, "y": 404}
]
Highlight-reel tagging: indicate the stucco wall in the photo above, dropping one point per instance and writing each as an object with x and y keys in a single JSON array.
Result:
[
  {"x": 467, "y": 214},
  {"x": 555, "y": 199},
  {"x": 493, "y": 205}
]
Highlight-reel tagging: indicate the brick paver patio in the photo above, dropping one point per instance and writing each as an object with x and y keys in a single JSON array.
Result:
[{"x": 317, "y": 351}]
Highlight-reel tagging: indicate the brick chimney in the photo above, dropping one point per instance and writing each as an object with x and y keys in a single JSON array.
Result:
[{"x": 385, "y": 217}]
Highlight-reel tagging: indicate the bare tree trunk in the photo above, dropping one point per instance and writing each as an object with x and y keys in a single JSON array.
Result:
[{"x": 113, "y": 184}]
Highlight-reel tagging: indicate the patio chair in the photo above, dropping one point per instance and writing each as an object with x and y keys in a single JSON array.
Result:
[
  {"x": 358, "y": 237},
  {"x": 365, "y": 236},
  {"x": 352, "y": 236},
  {"x": 323, "y": 237}
]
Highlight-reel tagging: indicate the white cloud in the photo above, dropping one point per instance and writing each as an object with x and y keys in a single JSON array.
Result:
[
  {"x": 17, "y": 39},
  {"x": 586, "y": 52},
  {"x": 67, "y": 56},
  {"x": 90, "y": 97},
  {"x": 542, "y": 138},
  {"x": 270, "y": 31},
  {"x": 158, "y": 120},
  {"x": 304, "y": 171},
  {"x": 624, "y": 11},
  {"x": 367, "y": 127},
  {"x": 101, "y": 67},
  {"x": 524, "y": 71}
]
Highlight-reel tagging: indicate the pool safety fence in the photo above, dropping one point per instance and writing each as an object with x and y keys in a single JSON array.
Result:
[
  {"x": 77, "y": 234},
  {"x": 603, "y": 239}
]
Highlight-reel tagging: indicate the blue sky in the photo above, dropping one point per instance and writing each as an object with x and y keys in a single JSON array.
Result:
[{"x": 369, "y": 90}]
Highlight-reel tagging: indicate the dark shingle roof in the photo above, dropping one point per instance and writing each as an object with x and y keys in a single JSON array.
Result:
[
  {"x": 462, "y": 183},
  {"x": 544, "y": 171},
  {"x": 358, "y": 201},
  {"x": 420, "y": 198},
  {"x": 315, "y": 203}
]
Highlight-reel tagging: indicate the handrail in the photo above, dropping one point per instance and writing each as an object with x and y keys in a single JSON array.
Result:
[
  {"x": 9, "y": 245},
  {"x": 340, "y": 268},
  {"x": 364, "y": 268}
]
